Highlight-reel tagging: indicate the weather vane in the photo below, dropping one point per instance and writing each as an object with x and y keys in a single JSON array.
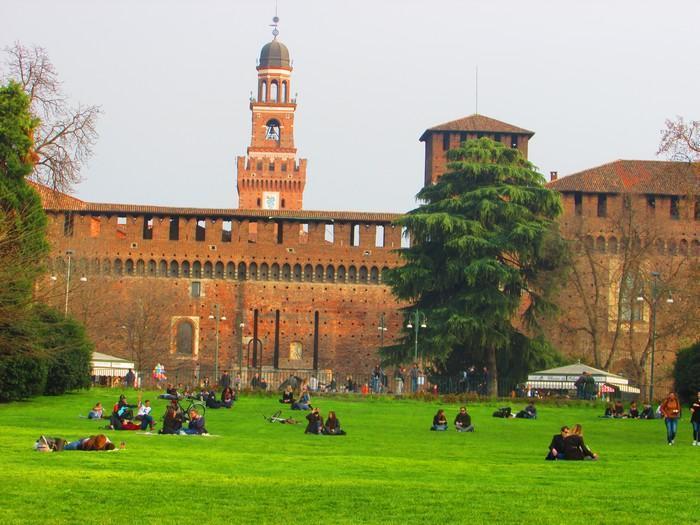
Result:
[{"x": 275, "y": 22}]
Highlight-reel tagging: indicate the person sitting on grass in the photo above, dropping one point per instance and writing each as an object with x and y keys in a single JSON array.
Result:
[
  {"x": 196, "y": 425},
  {"x": 634, "y": 411},
  {"x": 227, "y": 397},
  {"x": 574, "y": 447},
  {"x": 463, "y": 421},
  {"x": 144, "y": 416},
  {"x": 288, "y": 396},
  {"x": 171, "y": 390},
  {"x": 304, "y": 402},
  {"x": 608, "y": 411},
  {"x": 96, "y": 412},
  {"x": 172, "y": 421},
  {"x": 618, "y": 410},
  {"x": 529, "y": 412},
  {"x": 332, "y": 425},
  {"x": 647, "y": 412},
  {"x": 121, "y": 413},
  {"x": 557, "y": 446},
  {"x": 439, "y": 421},
  {"x": 211, "y": 401},
  {"x": 315, "y": 420}
]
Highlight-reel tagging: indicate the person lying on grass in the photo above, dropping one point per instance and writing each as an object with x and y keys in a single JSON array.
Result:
[
  {"x": 529, "y": 412},
  {"x": 288, "y": 396},
  {"x": 96, "y": 412},
  {"x": 463, "y": 421},
  {"x": 98, "y": 442},
  {"x": 172, "y": 421},
  {"x": 439, "y": 421},
  {"x": 196, "y": 425},
  {"x": 332, "y": 425},
  {"x": 557, "y": 446},
  {"x": 315, "y": 420},
  {"x": 574, "y": 447},
  {"x": 304, "y": 402}
]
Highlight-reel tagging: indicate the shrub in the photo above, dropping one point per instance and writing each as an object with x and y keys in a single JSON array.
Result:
[
  {"x": 22, "y": 376},
  {"x": 686, "y": 372}
]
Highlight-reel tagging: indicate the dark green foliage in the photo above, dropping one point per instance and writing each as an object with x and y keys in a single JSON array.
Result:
[
  {"x": 22, "y": 375},
  {"x": 482, "y": 243},
  {"x": 686, "y": 372}
]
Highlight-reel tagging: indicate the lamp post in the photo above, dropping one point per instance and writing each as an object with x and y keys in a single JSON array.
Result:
[
  {"x": 69, "y": 254},
  {"x": 419, "y": 321},
  {"x": 217, "y": 317},
  {"x": 655, "y": 292},
  {"x": 382, "y": 328},
  {"x": 241, "y": 325}
]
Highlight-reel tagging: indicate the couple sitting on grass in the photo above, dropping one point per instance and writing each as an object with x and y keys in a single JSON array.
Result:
[
  {"x": 174, "y": 418},
  {"x": 123, "y": 418},
  {"x": 316, "y": 425},
  {"x": 463, "y": 421},
  {"x": 98, "y": 442},
  {"x": 569, "y": 445}
]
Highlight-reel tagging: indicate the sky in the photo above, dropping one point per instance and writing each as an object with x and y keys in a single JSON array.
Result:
[{"x": 595, "y": 80}]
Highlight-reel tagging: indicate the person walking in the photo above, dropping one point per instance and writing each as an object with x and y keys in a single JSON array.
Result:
[
  {"x": 414, "y": 373},
  {"x": 671, "y": 410},
  {"x": 695, "y": 420},
  {"x": 225, "y": 381},
  {"x": 130, "y": 378}
]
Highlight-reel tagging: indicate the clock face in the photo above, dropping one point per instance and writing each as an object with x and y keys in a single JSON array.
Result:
[{"x": 272, "y": 130}]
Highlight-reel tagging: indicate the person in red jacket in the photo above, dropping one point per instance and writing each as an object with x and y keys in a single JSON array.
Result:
[{"x": 671, "y": 410}]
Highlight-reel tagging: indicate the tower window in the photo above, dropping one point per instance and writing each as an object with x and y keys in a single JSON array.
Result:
[
  {"x": 68, "y": 224},
  {"x": 148, "y": 227},
  {"x": 274, "y": 91},
  {"x": 513, "y": 141},
  {"x": 651, "y": 203},
  {"x": 174, "y": 233},
  {"x": 445, "y": 141},
  {"x": 602, "y": 205},
  {"x": 497, "y": 137},
  {"x": 285, "y": 95},
  {"x": 675, "y": 212},
  {"x": 200, "y": 230},
  {"x": 272, "y": 130},
  {"x": 578, "y": 204},
  {"x": 263, "y": 91},
  {"x": 226, "y": 231}
]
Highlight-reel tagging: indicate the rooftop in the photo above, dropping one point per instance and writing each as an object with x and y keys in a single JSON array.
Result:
[{"x": 478, "y": 123}]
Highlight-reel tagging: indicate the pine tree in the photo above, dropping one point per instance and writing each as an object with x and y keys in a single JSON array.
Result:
[{"x": 481, "y": 243}]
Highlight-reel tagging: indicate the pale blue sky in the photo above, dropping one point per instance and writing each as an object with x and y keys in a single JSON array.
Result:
[{"x": 595, "y": 80}]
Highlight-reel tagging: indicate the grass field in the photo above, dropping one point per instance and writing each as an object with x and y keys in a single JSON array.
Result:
[{"x": 389, "y": 468}]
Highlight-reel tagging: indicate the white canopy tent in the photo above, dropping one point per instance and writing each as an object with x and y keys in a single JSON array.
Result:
[
  {"x": 563, "y": 377},
  {"x": 104, "y": 365}
]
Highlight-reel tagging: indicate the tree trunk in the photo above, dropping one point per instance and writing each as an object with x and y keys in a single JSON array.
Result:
[{"x": 493, "y": 372}]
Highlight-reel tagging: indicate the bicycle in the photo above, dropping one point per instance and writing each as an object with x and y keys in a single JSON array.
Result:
[{"x": 186, "y": 403}]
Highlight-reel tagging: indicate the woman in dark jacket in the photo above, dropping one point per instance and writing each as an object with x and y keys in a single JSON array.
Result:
[
  {"x": 315, "y": 422},
  {"x": 227, "y": 397},
  {"x": 332, "y": 426},
  {"x": 288, "y": 396},
  {"x": 575, "y": 448},
  {"x": 439, "y": 421}
]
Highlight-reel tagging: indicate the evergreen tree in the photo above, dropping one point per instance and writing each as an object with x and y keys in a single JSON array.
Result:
[{"x": 482, "y": 243}]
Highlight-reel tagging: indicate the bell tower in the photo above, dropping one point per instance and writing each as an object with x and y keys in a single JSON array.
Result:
[{"x": 271, "y": 177}]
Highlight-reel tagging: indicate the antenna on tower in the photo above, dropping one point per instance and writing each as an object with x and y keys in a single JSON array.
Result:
[
  {"x": 275, "y": 23},
  {"x": 476, "y": 91}
]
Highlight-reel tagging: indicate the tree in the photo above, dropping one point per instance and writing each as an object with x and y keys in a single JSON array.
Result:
[
  {"x": 66, "y": 135},
  {"x": 479, "y": 243},
  {"x": 686, "y": 372},
  {"x": 680, "y": 140}
]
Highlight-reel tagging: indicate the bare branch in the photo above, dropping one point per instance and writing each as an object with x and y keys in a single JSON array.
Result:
[{"x": 680, "y": 140}]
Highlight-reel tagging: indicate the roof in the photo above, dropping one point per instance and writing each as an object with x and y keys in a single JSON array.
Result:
[
  {"x": 634, "y": 176},
  {"x": 99, "y": 356},
  {"x": 274, "y": 54},
  {"x": 55, "y": 201},
  {"x": 575, "y": 369},
  {"x": 478, "y": 123}
]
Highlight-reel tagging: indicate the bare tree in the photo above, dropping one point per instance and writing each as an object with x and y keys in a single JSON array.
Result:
[
  {"x": 67, "y": 134},
  {"x": 680, "y": 140}
]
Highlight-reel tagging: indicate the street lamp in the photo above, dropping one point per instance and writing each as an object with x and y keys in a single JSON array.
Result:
[
  {"x": 419, "y": 321},
  {"x": 217, "y": 317},
  {"x": 240, "y": 350},
  {"x": 69, "y": 253},
  {"x": 655, "y": 292},
  {"x": 382, "y": 328}
]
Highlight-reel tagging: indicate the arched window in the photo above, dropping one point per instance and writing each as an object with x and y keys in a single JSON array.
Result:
[
  {"x": 330, "y": 273},
  {"x": 219, "y": 270},
  {"x": 612, "y": 245},
  {"x": 272, "y": 130},
  {"x": 263, "y": 91},
  {"x": 295, "y": 351},
  {"x": 152, "y": 268},
  {"x": 363, "y": 274},
  {"x": 230, "y": 270},
  {"x": 264, "y": 272},
  {"x": 184, "y": 340},
  {"x": 163, "y": 268},
  {"x": 185, "y": 268},
  {"x": 174, "y": 269},
  {"x": 275, "y": 272},
  {"x": 129, "y": 267},
  {"x": 672, "y": 249},
  {"x": 274, "y": 91},
  {"x": 341, "y": 274},
  {"x": 242, "y": 276},
  {"x": 96, "y": 266},
  {"x": 286, "y": 272},
  {"x": 318, "y": 274},
  {"x": 208, "y": 270},
  {"x": 297, "y": 272},
  {"x": 140, "y": 267},
  {"x": 600, "y": 244},
  {"x": 374, "y": 275},
  {"x": 106, "y": 266},
  {"x": 253, "y": 271},
  {"x": 285, "y": 95},
  {"x": 196, "y": 269},
  {"x": 118, "y": 268},
  {"x": 695, "y": 248},
  {"x": 309, "y": 273},
  {"x": 683, "y": 247},
  {"x": 352, "y": 274}
]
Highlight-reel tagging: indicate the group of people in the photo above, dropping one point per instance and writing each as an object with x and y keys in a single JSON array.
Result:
[
  {"x": 123, "y": 416},
  {"x": 462, "y": 422},
  {"x": 617, "y": 411},
  {"x": 569, "y": 445},
  {"x": 585, "y": 386},
  {"x": 329, "y": 427}
]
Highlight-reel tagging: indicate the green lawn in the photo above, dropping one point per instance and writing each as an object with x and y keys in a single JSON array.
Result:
[{"x": 389, "y": 468}]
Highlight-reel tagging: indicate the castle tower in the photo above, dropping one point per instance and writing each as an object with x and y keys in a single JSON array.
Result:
[{"x": 270, "y": 176}]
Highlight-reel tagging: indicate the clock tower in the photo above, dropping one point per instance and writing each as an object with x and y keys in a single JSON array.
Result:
[{"x": 271, "y": 177}]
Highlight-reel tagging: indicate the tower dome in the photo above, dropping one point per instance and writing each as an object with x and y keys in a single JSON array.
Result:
[{"x": 274, "y": 54}]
